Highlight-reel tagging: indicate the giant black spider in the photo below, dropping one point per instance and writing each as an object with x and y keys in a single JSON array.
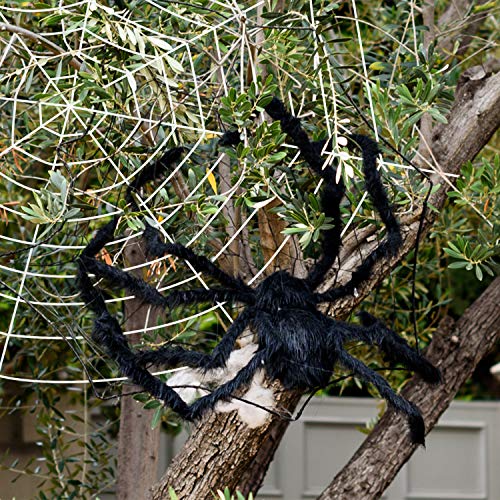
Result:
[{"x": 297, "y": 344}]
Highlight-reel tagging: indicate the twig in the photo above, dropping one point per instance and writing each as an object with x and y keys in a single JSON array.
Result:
[{"x": 11, "y": 28}]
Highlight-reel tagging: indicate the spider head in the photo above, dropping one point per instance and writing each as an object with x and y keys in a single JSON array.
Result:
[{"x": 282, "y": 291}]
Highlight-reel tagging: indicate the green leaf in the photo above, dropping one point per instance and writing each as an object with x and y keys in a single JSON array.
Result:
[
  {"x": 157, "y": 417},
  {"x": 458, "y": 265},
  {"x": 83, "y": 74},
  {"x": 479, "y": 273},
  {"x": 142, "y": 397},
  {"x": 405, "y": 93},
  {"x": 453, "y": 253},
  {"x": 152, "y": 404},
  {"x": 277, "y": 156},
  {"x": 174, "y": 64},
  {"x": 293, "y": 230}
]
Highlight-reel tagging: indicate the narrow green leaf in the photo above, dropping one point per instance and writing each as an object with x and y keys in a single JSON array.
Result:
[
  {"x": 157, "y": 417},
  {"x": 479, "y": 273}
]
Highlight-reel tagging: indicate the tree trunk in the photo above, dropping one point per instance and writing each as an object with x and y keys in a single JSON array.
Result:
[
  {"x": 456, "y": 348},
  {"x": 221, "y": 450},
  {"x": 138, "y": 444},
  {"x": 203, "y": 464}
]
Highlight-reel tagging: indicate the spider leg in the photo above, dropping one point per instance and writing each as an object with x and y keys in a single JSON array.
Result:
[
  {"x": 395, "y": 347},
  {"x": 154, "y": 244},
  {"x": 176, "y": 355},
  {"x": 225, "y": 391},
  {"x": 331, "y": 197},
  {"x": 91, "y": 296},
  {"x": 151, "y": 295},
  {"x": 157, "y": 248},
  {"x": 107, "y": 332},
  {"x": 104, "y": 235},
  {"x": 393, "y": 240},
  {"x": 333, "y": 191},
  {"x": 400, "y": 404},
  {"x": 153, "y": 171},
  {"x": 139, "y": 287}
]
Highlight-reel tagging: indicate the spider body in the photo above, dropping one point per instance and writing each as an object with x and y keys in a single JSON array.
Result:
[
  {"x": 291, "y": 333},
  {"x": 297, "y": 351},
  {"x": 296, "y": 343}
]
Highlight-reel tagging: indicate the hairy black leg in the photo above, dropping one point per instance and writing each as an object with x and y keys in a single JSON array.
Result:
[
  {"x": 395, "y": 347},
  {"x": 154, "y": 244},
  {"x": 415, "y": 420},
  {"x": 392, "y": 242},
  {"x": 172, "y": 356},
  {"x": 152, "y": 296},
  {"x": 139, "y": 287},
  {"x": 291, "y": 125},
  {"x": 104, "y": 235},
  {"x": 176, "y": 355},
  {"x": 223, "y": 350},
  {"x": 224, "y": 392},
  {"x": 333, "y": 191},
  {"x": 108, "y": 333},
  {"x": 157, "y": 248},
  {"x": 90, "y": 295},
  {"x": 212, "y": 295},
  {"x": 331, "y": 197},
  {"x": 153, "y": 171}
]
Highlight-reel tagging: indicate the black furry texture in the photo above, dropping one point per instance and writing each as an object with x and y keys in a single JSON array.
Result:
[
  {"x": 297, "y": 344},
  {"x": 153, "y": 171}
]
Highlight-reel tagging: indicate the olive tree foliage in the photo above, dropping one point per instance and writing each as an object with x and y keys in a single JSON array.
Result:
[{"x": 91, "y": 93}]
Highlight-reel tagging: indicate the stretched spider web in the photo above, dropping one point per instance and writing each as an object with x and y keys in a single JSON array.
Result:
[{"x": 93, "y": 96}]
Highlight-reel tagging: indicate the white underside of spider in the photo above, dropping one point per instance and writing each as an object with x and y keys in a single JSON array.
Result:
[{"x": 257, "y": 393}]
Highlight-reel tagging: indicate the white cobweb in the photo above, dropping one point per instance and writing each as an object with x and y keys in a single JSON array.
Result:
[{"x": 164, "y": 94}]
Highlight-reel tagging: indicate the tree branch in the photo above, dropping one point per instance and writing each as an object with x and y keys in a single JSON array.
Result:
[
  {"x": 11, "y": 28},
  {"x": 458, "y": 22},
  {"x": 456, "y": 348}
]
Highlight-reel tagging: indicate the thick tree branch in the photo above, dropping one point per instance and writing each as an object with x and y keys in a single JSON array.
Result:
[
  {"x": 456, "y": 348},
  {"x": 231, "y": 448}
]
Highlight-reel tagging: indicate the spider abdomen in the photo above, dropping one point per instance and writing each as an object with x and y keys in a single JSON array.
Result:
[{"x": 297, "y": 355}]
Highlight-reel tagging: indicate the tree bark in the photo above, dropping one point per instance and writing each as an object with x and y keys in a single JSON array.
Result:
[
  {"x": 138, "y": 444},
  {"x": 456, "y": 348},
  {"x": 221, "y": 450}
]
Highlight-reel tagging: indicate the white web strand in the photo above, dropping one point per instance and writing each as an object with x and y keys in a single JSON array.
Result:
[{"x": 57, "y": 120}]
